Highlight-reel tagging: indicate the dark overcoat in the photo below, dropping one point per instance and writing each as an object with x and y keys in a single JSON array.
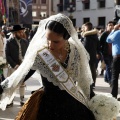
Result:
[{"x": 12, "y": 51}]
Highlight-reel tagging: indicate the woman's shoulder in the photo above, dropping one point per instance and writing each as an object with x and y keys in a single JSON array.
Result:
[{"x": 73, "y": 45}]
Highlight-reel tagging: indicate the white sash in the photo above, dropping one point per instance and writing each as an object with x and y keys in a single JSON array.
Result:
[{"x": 61, "y": 75}]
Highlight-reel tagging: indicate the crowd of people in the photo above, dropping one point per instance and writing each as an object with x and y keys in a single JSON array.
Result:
[
  {"x": 103, "y": 49},
  {"x": 66, "y": 64},
  {"x": 14, "y": 41}
]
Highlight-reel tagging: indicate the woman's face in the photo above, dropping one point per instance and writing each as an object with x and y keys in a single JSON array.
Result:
[{"x": 56, "y": 41}]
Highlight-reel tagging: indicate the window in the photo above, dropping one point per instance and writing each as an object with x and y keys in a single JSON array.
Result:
[
  {"x": 60, "y": 6},
  {"x": 66, "y": 3},
  {"x": 86, "y": 20},
  {"x": 13, "y": 15},
  {"x": 43, "y": 1},
  {"x": 43, "y": 14},
  {"x": 101, "y": 3},
  {"x": 101, "y": 22},
  {"x": 86, "y": 5},
  {"x": 85, "y": 1},
  {"x": 61, "y": 1},
  {"x": 34, "y": 1},
  {"x": 74, "y": 22},
  {"x": 34, "y": 14},
  {"x": 73, "y": 1}
]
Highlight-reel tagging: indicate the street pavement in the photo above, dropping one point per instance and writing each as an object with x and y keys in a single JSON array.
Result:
[{"x": 34, "y": 84}]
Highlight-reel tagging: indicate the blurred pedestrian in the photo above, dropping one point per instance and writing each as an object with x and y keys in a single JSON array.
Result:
[
  {"x": 63, "y": 64},
  {"x": 91, "y": 43},
  {"x": 16, "y": 48},
  {"x": 106, "y": 50},
  {"x": 114, "y": 38}
]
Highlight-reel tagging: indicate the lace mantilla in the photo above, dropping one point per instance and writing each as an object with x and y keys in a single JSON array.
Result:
[
  {"x": 79, "y": 67},
  {"x": 65, "y": 22},
  {"x": 73, "y": 69}
]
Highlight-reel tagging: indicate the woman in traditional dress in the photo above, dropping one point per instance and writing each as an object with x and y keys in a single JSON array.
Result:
[{"x": 64, "y": 66}]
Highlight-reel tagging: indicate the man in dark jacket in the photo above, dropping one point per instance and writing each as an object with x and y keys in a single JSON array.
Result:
[
  {"x": 91, "y": 43},
  {"x": 15, "y": 50},
  {"x": 106, "y": 50}
]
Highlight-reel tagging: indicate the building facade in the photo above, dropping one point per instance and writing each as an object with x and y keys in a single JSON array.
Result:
[
  {"x": 13, "y": 12},
  {"x": 99, "y": 12},
  {"x": 41, "y": 9}
]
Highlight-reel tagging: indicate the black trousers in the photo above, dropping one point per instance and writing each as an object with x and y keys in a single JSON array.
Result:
[
  {"x": 115, "y": 76},
  {"x": 93, "y": 71}
]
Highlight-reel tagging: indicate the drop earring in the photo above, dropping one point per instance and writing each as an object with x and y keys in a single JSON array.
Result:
[{"x": 67, "y": 47}]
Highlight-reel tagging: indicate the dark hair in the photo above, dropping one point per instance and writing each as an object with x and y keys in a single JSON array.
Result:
[
  {"x": 57, "y": 28},
  {"x": 89, "y": 25},
  {"x": 111, "y": 22}
]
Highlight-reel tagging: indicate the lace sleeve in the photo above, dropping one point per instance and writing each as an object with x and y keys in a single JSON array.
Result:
[
  {"x": 43, "y": 69},
  {"x": 34, "y": 66}
]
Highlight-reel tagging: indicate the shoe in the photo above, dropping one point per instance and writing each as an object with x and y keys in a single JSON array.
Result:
[
  {"x": 10, "y": 105},
  {"x": 22, "y": 100},
  {"x": 93, "y": 86},
  {"x": 118, "y": 99},
  {"x": 21, "y": 103},
  {"x": 32, "y": 92},
  {"x": 101, "y": 74},
  {"x": 106, "y": 81},
  {"x": 110, "y": 84}
]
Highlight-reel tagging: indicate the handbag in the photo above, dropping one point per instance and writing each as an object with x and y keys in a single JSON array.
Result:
[{"x": 30, "y": 109}]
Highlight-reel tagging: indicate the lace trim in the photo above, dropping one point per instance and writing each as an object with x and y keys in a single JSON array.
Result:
[
  {"x": 81, "y": 69},
  {"x": 72, "y": 69}
]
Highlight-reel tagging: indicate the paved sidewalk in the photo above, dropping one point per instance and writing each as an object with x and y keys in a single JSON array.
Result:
[{"x": 33, "y": 84}]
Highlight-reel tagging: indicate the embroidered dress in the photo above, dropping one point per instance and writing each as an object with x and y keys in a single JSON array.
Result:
[
  {"x": 39, "y": 41},
  {"x": 59, "y": 103},
  {"x": 56, "y": 103}
]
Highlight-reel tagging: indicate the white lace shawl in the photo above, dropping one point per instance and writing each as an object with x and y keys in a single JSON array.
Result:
[
  {"x": 38, "y": 42},
  {"x": 74, "y": 70}
]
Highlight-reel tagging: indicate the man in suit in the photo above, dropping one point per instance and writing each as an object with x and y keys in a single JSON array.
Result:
[{"x": 15, "y": 50}]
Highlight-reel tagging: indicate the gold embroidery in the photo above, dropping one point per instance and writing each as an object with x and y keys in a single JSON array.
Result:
[{"x": 55, "y": 67}]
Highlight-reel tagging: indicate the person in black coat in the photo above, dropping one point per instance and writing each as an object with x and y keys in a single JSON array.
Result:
[
  {"x": 106, "y": 50},
  {"x": 15, "y": 50},
  {"x": 91, "y": 43},
  {"x": 12, "y": 51}
]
